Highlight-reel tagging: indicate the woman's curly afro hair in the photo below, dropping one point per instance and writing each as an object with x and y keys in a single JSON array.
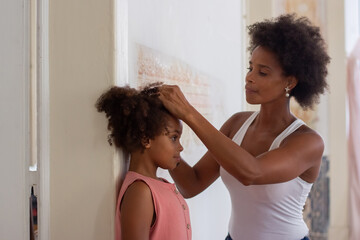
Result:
[
  {"x": 133, "y": 115},
  {"x": 301, "y": 52}
]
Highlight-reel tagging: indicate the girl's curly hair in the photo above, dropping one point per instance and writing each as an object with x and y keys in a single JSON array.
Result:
[
  {"x": 133, "y": 115},
  {"x": 301, "y": 52}
]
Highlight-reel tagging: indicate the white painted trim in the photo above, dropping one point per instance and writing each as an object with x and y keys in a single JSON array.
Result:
[
  {"x": 26, "y": 148},
  {"x": 339, "y": 185},
  {"x": 44, "y": 119},
  {"x": 121, "y": 77},
  {"x": 121, "y": 42},
  {"x": 244, "y": 52}
]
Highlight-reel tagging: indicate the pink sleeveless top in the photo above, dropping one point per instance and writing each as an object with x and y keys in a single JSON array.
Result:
[{"x": 172, "y": 213}]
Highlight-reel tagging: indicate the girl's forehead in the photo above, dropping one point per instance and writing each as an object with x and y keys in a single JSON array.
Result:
[{"x": 174, "y": 124}]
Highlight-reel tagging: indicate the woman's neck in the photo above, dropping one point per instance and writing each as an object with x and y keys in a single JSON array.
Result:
[{"x": 274, "y": 117}]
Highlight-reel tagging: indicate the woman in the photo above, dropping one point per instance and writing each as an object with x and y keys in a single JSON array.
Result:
[{"x": 269, "y": 159}]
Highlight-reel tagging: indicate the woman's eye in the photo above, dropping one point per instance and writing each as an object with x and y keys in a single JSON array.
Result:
[
  {"x": 174, "y": 138},
  {"x": 262, "y": 73}
]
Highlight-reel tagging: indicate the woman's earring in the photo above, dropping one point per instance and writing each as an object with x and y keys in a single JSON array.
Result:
[{"x": 287, "y": 89}]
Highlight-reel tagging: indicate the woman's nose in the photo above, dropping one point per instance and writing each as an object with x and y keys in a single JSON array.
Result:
[{"x": 249, "y": 78}]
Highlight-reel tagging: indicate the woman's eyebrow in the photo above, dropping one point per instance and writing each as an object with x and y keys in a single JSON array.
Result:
[{"x": 260, "y": 65}]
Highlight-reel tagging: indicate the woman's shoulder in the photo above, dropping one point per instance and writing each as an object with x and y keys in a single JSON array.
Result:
[
  {"x": 241, "y": 116},
  {"x": 305, "y": 130},
  {"x": 233, "y": 124},
  {"x": 309, "y": 144},
  {"x": 306, "y": 136}
]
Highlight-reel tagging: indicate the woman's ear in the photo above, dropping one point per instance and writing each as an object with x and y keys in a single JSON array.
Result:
[{"x": 292, "y": 82}]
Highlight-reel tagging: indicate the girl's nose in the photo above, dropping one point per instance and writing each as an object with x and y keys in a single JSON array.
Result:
[{"x": 180, "y": 147}]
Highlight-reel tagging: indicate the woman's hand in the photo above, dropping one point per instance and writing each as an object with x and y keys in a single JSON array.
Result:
[{"x": 175, "y": 101}]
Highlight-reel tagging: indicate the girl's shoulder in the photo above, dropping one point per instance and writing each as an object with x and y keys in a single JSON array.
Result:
[
  {"x": 135, "y": 189},
  {"x": 132, "y": 177},
  {"x": 135, "y": 182},
  {"x": 138, "y": 188}
]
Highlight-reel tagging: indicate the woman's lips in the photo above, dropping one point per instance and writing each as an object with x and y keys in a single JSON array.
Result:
[{"x": 249, "y": 90}]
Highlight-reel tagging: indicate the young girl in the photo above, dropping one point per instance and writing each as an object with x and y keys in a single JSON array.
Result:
[{"x": 148, "y": 207}]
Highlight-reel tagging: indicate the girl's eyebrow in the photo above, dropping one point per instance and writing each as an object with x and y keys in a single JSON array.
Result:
[{"x": 175, "y": 131}]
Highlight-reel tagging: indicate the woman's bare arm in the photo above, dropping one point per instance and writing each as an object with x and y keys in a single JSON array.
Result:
[
  {"x": 193, "y": 180},
  {"x": 301, "y": 152}
]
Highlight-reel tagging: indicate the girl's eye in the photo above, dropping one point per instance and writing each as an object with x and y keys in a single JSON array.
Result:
[
  {"x": 249, "y": 69},
  {"x": 174, "y": 138}
]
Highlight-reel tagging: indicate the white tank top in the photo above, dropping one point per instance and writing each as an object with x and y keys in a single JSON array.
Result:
[{"x": 271, "y": 211}]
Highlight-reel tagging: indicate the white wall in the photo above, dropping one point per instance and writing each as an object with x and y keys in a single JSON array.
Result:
[
  {"x": 339, "y": 188},
  {"x": 352, "y": 27},
  {"x": 82, "y": 187},
  {"x": 13, "y": 120},
  {"x": 206, "y": 35},
  {"x": 256, "y": 10}
]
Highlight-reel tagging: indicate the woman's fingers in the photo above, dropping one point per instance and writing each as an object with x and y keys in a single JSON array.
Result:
[
  {"x": 173, "y": 99},
  {"x": 168, "y": 93},
  {"x": 169, "y": 90}
]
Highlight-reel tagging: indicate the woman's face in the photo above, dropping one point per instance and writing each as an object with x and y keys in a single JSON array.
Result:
[{"x": 265, "y": 81}]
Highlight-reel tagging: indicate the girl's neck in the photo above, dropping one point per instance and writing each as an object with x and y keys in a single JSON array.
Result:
[{"x": 141, "y": 164}]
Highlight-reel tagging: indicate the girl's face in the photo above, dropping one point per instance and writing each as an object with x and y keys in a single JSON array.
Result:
[
  {"x": 265, "y": 81},
  {"x": 165, "y": 149}
]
